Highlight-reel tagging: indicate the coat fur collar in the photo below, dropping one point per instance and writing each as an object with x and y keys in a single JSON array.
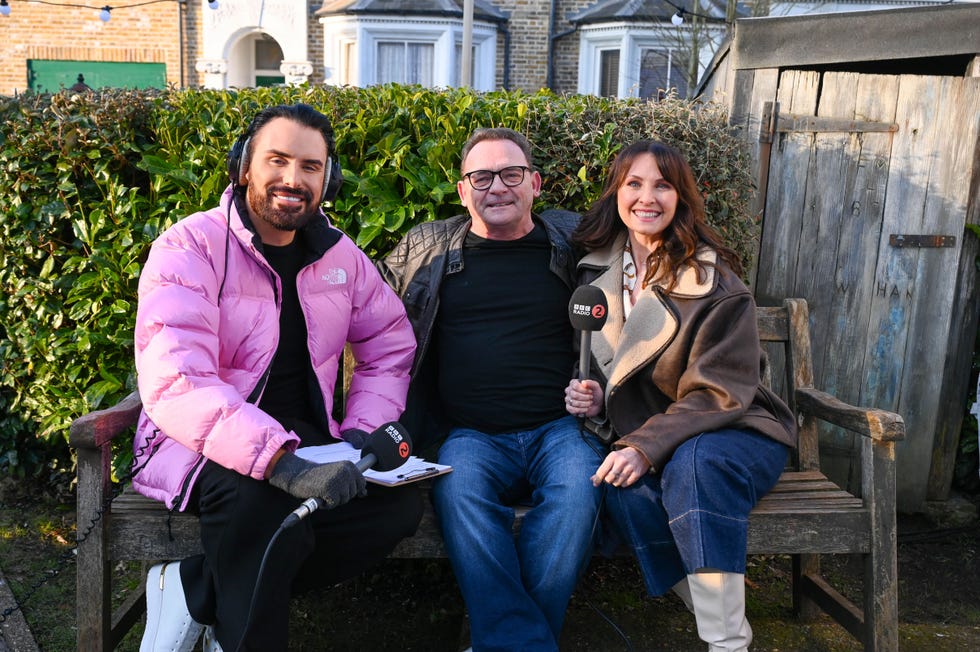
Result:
[{"x": 622, "y": 347}]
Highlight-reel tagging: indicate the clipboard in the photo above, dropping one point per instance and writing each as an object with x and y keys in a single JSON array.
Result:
[{"x": 413, "y": 470}]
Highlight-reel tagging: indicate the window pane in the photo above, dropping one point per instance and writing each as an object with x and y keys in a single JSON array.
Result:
[
  {"x": 609, "y": 73},
  {"x": 349, "y": 63},
  {"x": 661, "y": 70},
  {"x": 678, "y": 73},
  {"x": 457, "y": 70},
  {"x": 268, "y": 54},
  {"x": 420, "y": 61},
  {"x": 391, "y": 63},
  {"x": 405, "y": 63}
]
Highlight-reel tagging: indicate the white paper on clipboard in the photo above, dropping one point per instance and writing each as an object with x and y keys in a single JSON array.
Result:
[{"x": 414, "y": 469}]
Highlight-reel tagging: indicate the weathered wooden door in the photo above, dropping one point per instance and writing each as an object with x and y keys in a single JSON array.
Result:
[{"x": 866, "y": 197}]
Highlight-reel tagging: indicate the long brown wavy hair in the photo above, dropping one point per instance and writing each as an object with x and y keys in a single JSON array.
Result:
[{"x": 601, "y": 224}]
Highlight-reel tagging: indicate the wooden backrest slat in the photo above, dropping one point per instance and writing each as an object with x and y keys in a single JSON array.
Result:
[{"x": 773, "y": 324}]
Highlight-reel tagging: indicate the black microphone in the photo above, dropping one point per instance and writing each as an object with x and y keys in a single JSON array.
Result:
[
  {"x": 386, "y": 448},
  {"x": 587, "y": 311}
]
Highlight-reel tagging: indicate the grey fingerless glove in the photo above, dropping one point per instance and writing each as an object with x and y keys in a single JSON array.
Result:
[{"x": 334, "y": 483}]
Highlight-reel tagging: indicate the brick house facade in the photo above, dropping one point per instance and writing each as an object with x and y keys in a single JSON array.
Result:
[{"x": 518, "y": 44}]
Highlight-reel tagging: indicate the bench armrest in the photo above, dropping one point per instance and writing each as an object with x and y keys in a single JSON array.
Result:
[
  {"x": 98, "y": 428},
  {"x": 878, "y": 425}
]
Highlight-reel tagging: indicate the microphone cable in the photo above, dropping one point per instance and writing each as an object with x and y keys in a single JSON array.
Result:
[
  {"x": 258, "y": 583},
  {"x": 616, "y": 628}
]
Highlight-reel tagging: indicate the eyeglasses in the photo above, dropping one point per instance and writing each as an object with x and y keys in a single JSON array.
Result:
[{"x": 511, "y": 176}]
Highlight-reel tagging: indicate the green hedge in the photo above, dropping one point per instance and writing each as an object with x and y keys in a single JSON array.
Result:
[{"x": 87, "y": 181}]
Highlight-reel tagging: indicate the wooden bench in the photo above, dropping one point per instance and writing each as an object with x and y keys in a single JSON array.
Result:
[{"x": 805, "y": 515}]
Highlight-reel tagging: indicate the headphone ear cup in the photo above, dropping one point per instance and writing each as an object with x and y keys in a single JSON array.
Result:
[
  {"x": 332, "y": 181},
  {"x": 243, "y": 165},
  {"x": 234, "y": 159},
  {"x": 237, "y": 161}
]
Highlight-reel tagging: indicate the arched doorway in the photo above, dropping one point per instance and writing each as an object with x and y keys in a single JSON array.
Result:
[{"x": 255, "y": 60}]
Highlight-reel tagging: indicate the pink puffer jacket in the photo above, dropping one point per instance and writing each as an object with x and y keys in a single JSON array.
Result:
[{"x": 207, "y": 328}]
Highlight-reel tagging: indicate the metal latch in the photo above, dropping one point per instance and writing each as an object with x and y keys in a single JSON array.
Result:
[{"x": 905, "y": 240}]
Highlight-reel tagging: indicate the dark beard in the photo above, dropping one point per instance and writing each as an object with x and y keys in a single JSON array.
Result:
[{"x": 283, "y": 220}]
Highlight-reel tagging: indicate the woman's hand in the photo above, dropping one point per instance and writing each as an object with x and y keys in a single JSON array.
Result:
[
  {"x": 621, "y": 468},
  {"x": 583, "y": 398}
]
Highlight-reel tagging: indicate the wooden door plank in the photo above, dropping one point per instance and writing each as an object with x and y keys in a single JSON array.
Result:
[
  {"x": 839, "y": 282},
  {"x": 782, "y": 221},
  {"x": 914, "y": 290},
  {"x": 751, "y": 90},
  {"x": 965, "y": 310}
]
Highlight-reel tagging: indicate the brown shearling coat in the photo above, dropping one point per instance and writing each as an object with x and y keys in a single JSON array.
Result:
[{"x": 684, "y": 363}]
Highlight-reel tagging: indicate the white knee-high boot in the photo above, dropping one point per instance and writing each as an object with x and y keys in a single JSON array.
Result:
[
  {"x": 719, "y": 607},
  {"x": 683, "y": 590}
]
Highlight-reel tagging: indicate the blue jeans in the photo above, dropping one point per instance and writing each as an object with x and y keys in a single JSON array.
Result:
[
  {"x": 695, "y": 513},
  {"x": 517, "y": 590}
]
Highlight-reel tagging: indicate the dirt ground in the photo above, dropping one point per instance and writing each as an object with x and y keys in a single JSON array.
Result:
[
  {"x": 407, "y": 605},
  {"x": 939, "y": 603}
]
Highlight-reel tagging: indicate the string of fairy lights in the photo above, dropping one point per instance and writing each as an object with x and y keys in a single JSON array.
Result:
[
  {"x": 678, "y": 18},
  {"x": 105, "y": 11}
]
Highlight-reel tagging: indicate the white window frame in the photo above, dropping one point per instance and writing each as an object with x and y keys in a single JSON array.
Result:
[
  {"x": 366, "y": 32},
  {"x": 636, "y": 61},
  {"x": 630, "y": 39},
  {"x": 404, "y": 44}
]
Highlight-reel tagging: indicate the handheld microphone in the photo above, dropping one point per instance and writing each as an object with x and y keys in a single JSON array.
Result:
[
  {"x": 386, "y": 448},
  {"x": 587, "y": 310}
]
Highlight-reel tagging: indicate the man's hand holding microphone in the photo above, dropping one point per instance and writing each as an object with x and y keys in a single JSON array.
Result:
[{"x": 332, "y": 484}]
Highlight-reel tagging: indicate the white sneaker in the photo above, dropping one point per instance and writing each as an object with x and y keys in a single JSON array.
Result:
[{"x": 169, "y": 626}]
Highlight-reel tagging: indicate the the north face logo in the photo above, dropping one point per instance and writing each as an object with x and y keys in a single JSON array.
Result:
[{"x": 335, "y": 276}]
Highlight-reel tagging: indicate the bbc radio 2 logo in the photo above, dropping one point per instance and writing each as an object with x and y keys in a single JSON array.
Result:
[
  {"x": 403, "y": 448},
  {"x": 597, "y": 311}
]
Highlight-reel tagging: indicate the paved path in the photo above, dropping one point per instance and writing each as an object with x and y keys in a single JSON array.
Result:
[{"x": 15, "y": 635}]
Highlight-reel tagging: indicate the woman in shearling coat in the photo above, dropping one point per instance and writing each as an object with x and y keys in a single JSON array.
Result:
[{"x": 676, "y": 389}]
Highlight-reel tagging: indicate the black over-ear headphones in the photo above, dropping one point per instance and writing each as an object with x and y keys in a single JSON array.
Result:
[{"x": 238, "y": 160}]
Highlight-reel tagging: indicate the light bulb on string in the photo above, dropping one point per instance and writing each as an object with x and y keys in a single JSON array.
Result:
[
  {"x": 4, "y": 8},
  {"x": 105, "y": 14},
  {"x": 677, "y": 19}
]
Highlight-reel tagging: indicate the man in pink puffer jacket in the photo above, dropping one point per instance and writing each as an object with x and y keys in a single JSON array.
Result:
[{"x": 244, "y": 311}]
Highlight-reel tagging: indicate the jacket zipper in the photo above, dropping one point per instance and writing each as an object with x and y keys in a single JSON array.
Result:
[{"x": 179, "y": 498}]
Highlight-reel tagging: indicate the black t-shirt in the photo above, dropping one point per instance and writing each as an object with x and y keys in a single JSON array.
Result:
[
  {"x": 287, "y": 396},
  {"x": 503, "y": 338}
]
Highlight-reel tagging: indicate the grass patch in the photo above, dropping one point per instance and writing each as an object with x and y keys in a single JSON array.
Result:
[{"x": 410, "y": 605}]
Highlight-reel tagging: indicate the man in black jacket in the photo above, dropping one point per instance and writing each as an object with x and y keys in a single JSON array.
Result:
[{"x": 487, "y": 294}]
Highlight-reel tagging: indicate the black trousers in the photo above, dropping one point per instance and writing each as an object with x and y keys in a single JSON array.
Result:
[{"x": 239, "y": 516}]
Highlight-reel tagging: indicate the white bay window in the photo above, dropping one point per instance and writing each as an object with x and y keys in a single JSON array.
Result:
[{"x": 362, "y": 50}]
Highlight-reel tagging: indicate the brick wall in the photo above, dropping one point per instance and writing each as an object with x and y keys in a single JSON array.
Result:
[
  {"x": 315, "y": 47},
  {"x": 530, "y": 27},
  {"x": 147, "y": 34},
  {"x": 193, "y": 44},
  {"x": 567, "y": 48}
]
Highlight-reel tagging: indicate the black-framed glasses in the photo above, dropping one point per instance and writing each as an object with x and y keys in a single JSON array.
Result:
[{"x": 512, "y": 175}]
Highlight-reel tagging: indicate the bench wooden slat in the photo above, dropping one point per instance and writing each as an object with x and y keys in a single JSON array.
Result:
[
  {"x": 141, "y": 528},
  {"x": 802, "y": 498}
]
